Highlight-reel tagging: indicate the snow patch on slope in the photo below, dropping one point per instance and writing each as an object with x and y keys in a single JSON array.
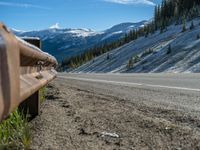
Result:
[
  {"x": 82, "y": 32},
  {"x": 111, "y": 34},
  {"x": 185, "y": 55}
]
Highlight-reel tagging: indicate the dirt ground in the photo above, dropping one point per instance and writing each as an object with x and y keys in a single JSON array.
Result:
[{"x": 77, "y": 118}]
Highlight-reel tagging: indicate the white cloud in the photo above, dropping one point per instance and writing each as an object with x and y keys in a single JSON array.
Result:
[
  {"x": 24, "y": 5},
  {"x": 133, "y": 2},
  {"x": 55, "y": 26}
]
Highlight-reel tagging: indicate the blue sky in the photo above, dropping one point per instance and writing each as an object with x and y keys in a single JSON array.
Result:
[{"x": 95, "y": 14}]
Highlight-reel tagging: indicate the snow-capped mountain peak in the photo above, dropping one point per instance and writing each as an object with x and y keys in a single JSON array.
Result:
[{"x": 55, "y": 26}]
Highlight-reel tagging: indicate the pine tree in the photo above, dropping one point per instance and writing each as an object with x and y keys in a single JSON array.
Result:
[
  {"x": 184, "y": 25},
  {"x": 169, "y": 50},
  {"x": 136, "y": 59},
  {"x": 198, "y": 36},
  {"x": 108, "y": 56},
  {"x": 130, "y": 63},
  {"x": 162, "y": 28},
  {"x": 192, "y": 25}
]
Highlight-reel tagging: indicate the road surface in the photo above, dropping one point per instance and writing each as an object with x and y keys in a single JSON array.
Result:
[
  {"x": 164, "y": 84},
  {"x": 170, "y": 81},
  {"x": 142, "y": 111}
]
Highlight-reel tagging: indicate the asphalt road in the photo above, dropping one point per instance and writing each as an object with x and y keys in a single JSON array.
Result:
[
  {"x": 190, "y": 82},
  {"x": 146, "y": 111},
  {"x": 172, "y": 90}
]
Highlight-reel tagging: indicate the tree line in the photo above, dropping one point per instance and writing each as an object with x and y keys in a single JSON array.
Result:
[{"x": 171, "y": 11}]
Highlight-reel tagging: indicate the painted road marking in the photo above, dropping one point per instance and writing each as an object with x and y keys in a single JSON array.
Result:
[{"x": 130, "y": 84}]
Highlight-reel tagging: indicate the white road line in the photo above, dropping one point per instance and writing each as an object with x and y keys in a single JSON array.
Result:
[{"x": 130, "y": 84}]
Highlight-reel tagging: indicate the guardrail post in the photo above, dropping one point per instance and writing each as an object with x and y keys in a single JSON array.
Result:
[{"x": 31, "y": 105}]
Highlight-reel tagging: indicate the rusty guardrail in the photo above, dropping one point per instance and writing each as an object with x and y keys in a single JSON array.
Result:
[{"x": 24, "y": 69}]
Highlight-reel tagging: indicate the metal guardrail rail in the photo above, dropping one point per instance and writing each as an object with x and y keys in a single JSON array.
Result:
[{"x": 24, "y": 69}]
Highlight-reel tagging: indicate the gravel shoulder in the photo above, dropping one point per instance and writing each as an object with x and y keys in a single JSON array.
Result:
[{"x": 86, "y": 116}]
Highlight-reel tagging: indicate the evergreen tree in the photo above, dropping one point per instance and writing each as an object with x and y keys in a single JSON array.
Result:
[
  {"x": 136, "y": 59},
  {"x": 184, "y": 25},
  {"x": 169, "y": 50},
  {"x": 130, "y": 63},
  {"x": 192, "y": 25},
  {"x": 108, "y": 56},
  {"x": 198, "y": 36}
]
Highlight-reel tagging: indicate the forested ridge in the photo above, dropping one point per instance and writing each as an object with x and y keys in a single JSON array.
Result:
[{"x": 165, "y": 14}]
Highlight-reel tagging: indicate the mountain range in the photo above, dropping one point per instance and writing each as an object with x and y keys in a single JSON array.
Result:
[{"x": 65, "y": 43}]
